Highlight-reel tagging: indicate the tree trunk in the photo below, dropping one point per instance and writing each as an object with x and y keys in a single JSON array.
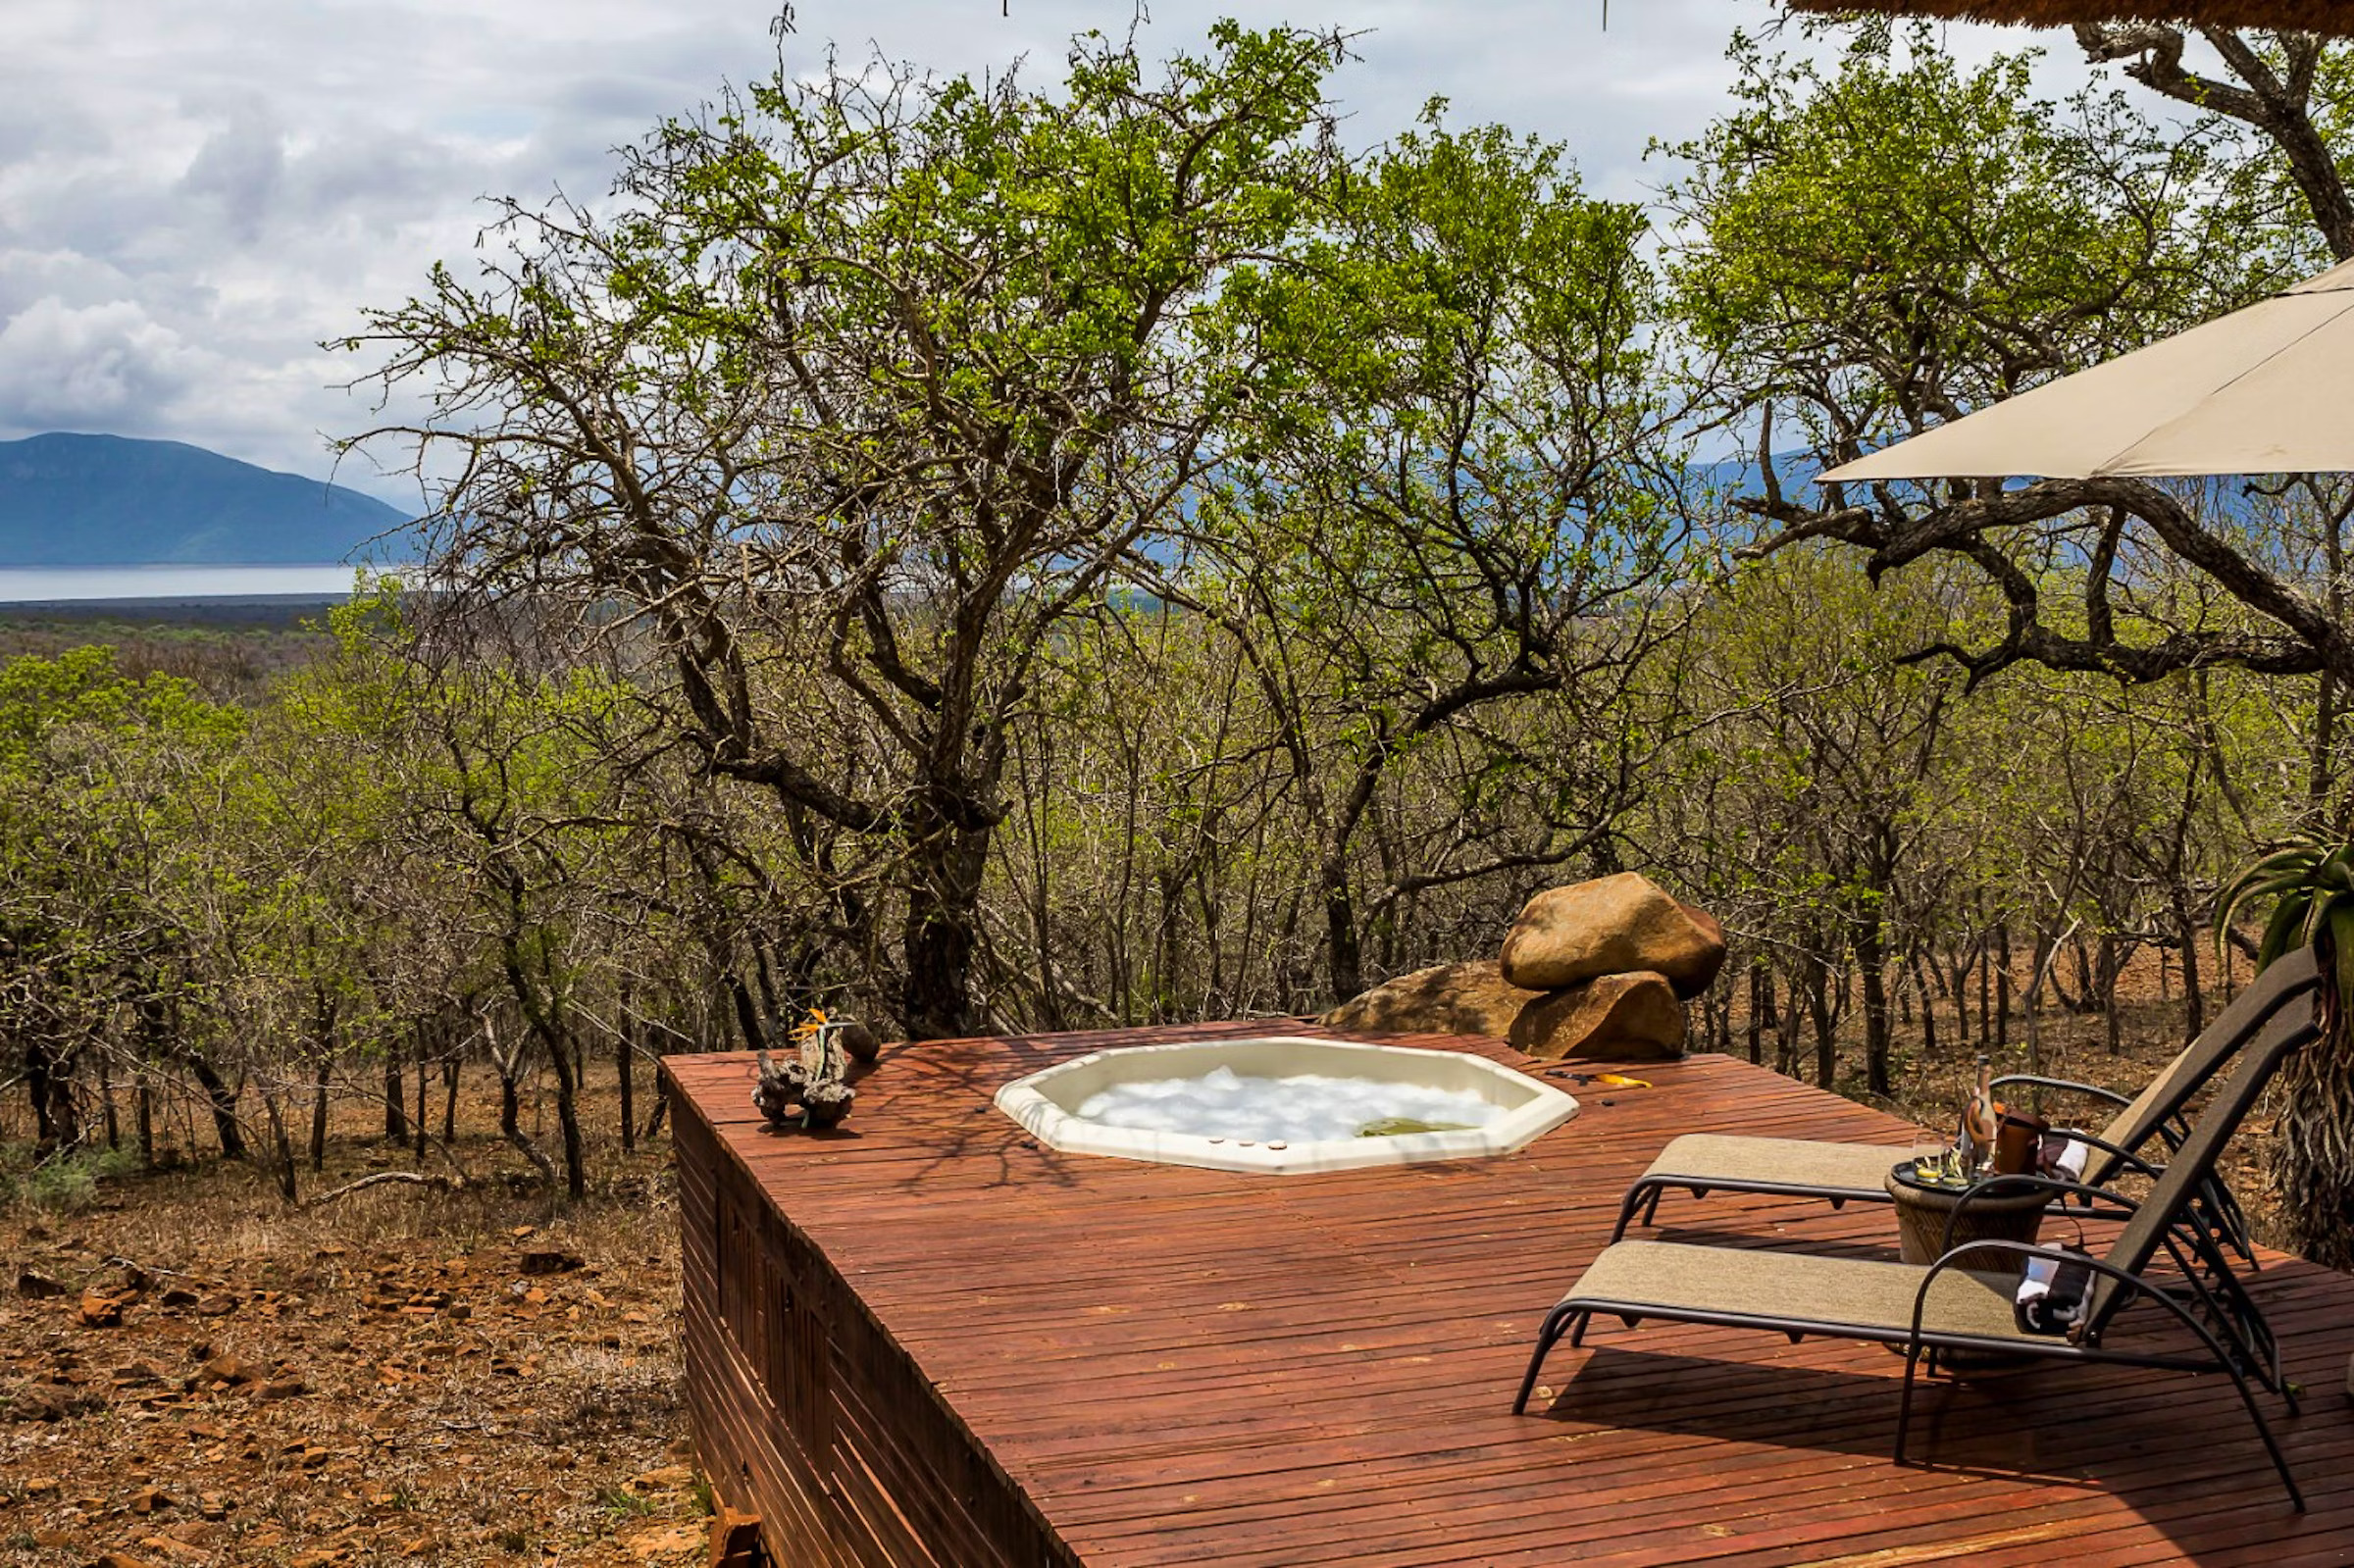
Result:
[
  {"x": 222, "y": 1102},
  {"x": 1785, "y": 1044},
  {"x": 2321, "y": 779},
  {"x": 2112, "y": 964},
  {"x": 1826, "y": 1039},
  {"x": 281, "y": 1148},
  {"x": 323, "y": 1042},
  {"x": 747, "y": 1013},
  {"x": 510, "y": 1122},
  {"x": 568, "y": 1121},
  {"x": 1344, "y": 952},
  {"x": 1872, "y": 961},
  {"x": 1961, "y": 989},
  {"x": 2002, "y": 987},
  {"x": 396, "y": 1108},
  {"x": 1761, "y": 1006},
  {"x": 106, "y": 1102},
  {"x": 2313, "y": 1145},
  {"x": 1929, "y": 1004},
  {"x": 49, "y": 1086},
  {"x": 943, "y": 902},
  {"x": 142, "y": 1104},
  {"x": 319, "y": 1088},
  {"x": 542, "y": 1015},
  {"x": 2194, "y": 1000},
  {"x": 625, "y": 1066}
]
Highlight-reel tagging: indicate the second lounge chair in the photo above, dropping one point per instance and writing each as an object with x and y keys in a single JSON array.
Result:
[
  {"x": 1946, "y": 1305},
  {"x": 1702, "y": 1163}
]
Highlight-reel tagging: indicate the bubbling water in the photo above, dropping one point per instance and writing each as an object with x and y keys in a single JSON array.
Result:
[{"x": 1303, "y": 1109}]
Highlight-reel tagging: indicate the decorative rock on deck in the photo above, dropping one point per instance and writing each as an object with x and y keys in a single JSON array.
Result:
[{"x": 923, "y": 1339}]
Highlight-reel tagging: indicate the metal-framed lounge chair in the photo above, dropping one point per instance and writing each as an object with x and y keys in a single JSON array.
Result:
[
  {"x": 1839, "y": 1174},
  {"x": 1944, "y": 1306}
]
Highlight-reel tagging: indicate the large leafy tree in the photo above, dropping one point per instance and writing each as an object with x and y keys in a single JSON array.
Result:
[
  {"x": 1446, "y": 528},
  {"x": 847, "y": 399},
  {"x": 1887, "y": 247}
]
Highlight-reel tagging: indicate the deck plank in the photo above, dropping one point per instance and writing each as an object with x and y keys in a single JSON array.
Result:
[{"x": 1170, "y": 1366}]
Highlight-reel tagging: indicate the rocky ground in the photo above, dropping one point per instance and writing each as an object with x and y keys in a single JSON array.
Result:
[{"x": 192, "y": 1373}]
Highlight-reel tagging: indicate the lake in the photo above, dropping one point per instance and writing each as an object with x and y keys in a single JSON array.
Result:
[{"x": 64, "y": 584}]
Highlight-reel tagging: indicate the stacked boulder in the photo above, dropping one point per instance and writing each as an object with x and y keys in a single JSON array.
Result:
[{"x": 1600, "y": 970}]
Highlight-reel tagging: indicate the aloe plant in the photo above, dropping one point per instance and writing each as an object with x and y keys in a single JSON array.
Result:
[{"x": 2310, "y": 882}]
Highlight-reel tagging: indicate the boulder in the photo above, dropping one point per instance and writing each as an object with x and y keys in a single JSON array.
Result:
[
  {"x": 1612, "y": 1018},
  {"x": 1449, "y": 999},
  {"x": 1615, "y": 1017},
  {"x": 1618, "y": 924}
]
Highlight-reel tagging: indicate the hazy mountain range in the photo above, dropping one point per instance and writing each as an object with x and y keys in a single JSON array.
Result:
[{"x": 108, "y": 500}]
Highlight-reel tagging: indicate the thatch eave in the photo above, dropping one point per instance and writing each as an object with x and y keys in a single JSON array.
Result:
[{"x": 2300, "y": 15}]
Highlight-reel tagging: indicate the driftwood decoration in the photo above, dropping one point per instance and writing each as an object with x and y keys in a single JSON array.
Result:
[
  {"x": 806, "y": 1089},
  {"x": 2297, "y": 16}
]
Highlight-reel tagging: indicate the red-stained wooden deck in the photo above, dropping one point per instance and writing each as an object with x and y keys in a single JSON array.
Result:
[{"x": 1010, "y": 1354}]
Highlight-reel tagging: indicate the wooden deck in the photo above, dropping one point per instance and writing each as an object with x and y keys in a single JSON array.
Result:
[{"x": 975, "y": 1350}]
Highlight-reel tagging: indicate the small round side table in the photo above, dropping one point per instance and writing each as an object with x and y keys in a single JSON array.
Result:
[{"x": 1922, "y": 1207}]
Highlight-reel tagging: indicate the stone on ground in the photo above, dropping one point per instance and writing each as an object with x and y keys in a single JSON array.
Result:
[
  {"x": 1615, "y": 1017},
  {"x": 1449, "y": 999},
  {"x": 1611, "y": 926}
]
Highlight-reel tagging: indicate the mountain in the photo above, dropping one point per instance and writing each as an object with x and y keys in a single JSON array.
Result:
[{"x": 107, "y": 500}]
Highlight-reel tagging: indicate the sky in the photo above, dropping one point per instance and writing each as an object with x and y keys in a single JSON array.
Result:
[{"x": 194, "y": 195}]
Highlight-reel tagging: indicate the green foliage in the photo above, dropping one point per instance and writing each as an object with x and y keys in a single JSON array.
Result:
[
  {"x": 2310, "y": 882},
  {"x": 1904, "y": 239},
  {"x": 623, "y": 1505},
  {"x": 66, "y": 1183}
]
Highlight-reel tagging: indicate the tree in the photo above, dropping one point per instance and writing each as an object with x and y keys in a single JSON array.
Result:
[
  {"x": 1451, "y": 519},
  {"x": 1903, "y": 242},
  {"x": 2286, "y": 97},
  {"x": 1893, "y": 246},
  {"x": 102, "y": 869},
  {"x": 859, "y": 392}
]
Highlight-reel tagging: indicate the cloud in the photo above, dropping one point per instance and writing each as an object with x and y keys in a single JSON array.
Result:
[
  {"x": 99, "y": 367},
  {"x": 194, "y": 196},
  {"x": 240, "y": 169}
]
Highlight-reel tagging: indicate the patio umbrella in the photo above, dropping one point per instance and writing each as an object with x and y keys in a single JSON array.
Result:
[{"x": 2269, "y": 389}]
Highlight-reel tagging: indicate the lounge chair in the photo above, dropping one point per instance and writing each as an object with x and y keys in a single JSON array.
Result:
[
  {"x": 1945, "y": 1307},
  {"x": 1842, "y": 1173}
]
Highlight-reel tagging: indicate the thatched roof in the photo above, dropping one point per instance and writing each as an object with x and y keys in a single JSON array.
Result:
[{"x": 2305, "y": 15}]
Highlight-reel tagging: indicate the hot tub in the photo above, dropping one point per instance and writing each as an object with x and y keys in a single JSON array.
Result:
[{"x": 1284, "y": 1104}]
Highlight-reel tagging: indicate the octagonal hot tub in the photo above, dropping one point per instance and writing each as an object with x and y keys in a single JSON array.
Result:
[{"x": 1284, "y": 1104}]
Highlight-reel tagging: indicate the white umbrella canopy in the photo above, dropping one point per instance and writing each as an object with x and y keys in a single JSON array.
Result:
[{"x": 2269, "y": 389}]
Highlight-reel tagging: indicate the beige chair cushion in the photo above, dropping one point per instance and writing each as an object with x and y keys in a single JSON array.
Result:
[
  {"x": 1874, "y": 1299},
  {"x": 1711, "y": 1160}
]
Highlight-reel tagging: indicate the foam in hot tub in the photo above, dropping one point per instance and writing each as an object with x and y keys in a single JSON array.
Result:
[
  {"x": 1302, "y": 1109},
  {"x": 1285, "y": 1104}
]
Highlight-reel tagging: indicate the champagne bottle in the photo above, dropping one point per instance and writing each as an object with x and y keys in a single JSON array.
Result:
[{"x": 1981, "y": 1119}]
